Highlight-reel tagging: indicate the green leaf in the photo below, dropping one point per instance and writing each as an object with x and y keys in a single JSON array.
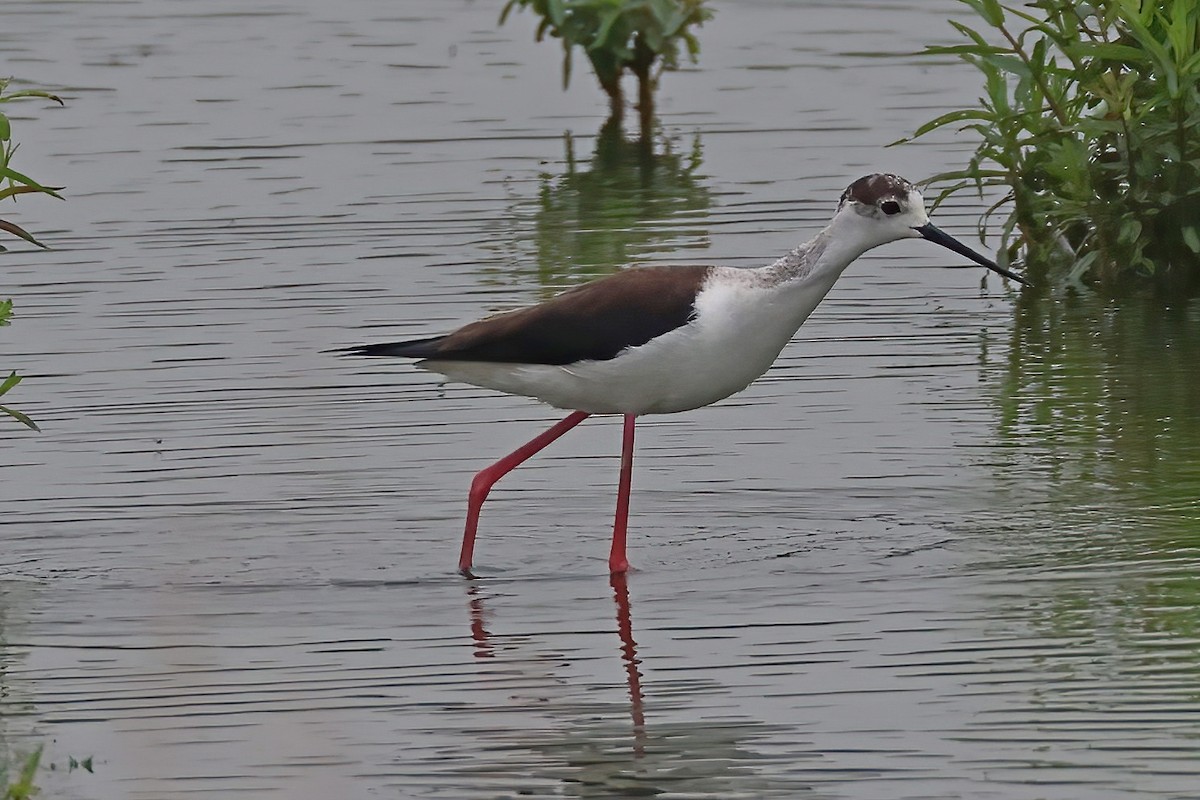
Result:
[
  {"x": 1082, "y": 265},
  {"x": 1027, "y": 17},
  {"x": 566, "y": 63},
  {"x": 9, "y": 191},
  {"x": 663, "y": 11},
  {"x": 31, "y": 93},
  {"x": 606, "y": 24},
  {"x": 20, "y": 417},
  {"x": 11, "y": 174},
  {"x": 971, "y": 33},
  {"x": 951, "y": 118},
  {"x": 1007, "y": 63},
  {"x": 9, "y": 383},
  {"x": 654, "y": 40},
  {"x": 1191, "y": 66},
  {"x": 991, "y": 11},
  {"x": 508, "y": 7},
  {"x": 1129, "y": 231},
  {"x": 1159, "y": 53},
  {"x": 1114, "y": 52},
  {"x": 28, "y": 770},
  {"x": 1037, "y": 58},
  {"x": 1182, "y": 29},
  {"x": 1191, "y": 237},
  {"x": 962, "y": 49},
  {"x": 693, "y": 45},
  {"x": 17, "y": 230},
  {"x": 5, "y": 128},
  {"x": 972, "y": 174}
]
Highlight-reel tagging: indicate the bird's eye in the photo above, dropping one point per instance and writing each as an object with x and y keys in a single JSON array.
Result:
[{"x": 889, "y": 207}]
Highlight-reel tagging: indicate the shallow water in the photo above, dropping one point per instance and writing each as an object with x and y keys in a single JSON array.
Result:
[{"x": 947, "y": 548}]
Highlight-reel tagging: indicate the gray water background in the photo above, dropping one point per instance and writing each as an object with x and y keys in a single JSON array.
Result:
[{"x": 946, "y": 548}]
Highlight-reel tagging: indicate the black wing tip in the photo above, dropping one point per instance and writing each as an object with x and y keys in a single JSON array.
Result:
[
  {"x": 415, "y": 348},
  {"x": 356, "y": 350}
]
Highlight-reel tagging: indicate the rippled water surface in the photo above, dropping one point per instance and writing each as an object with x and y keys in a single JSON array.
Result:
[{"x": 946, "y": 548}]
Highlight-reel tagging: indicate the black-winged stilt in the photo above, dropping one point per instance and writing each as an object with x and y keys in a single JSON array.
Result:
[{"x": 656, "y": 340}]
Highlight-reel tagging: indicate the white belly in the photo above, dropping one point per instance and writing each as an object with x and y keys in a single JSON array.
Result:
[{"x": 739, "y": 329}]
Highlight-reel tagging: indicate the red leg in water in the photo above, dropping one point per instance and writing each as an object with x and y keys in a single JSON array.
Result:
[
  {"x": 483, "y": 482},
  {"x": 617, "y": 562}
]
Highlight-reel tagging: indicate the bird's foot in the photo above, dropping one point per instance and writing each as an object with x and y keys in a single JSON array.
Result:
[{"x": 618, "y": 566}]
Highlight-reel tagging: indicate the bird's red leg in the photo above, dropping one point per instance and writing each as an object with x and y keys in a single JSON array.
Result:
[
  {"x": 486, "y": 478},
  {"x": 617, "y": 562}
]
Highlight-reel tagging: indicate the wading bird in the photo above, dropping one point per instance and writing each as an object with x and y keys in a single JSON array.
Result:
[{"x": 657, "y": 340}]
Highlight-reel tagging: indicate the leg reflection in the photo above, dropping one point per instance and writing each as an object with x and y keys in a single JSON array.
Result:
[
  {"x": 481, "y": 639},
  {"x": 479, "y": 633},
  {"x": 633, "y": 675}
]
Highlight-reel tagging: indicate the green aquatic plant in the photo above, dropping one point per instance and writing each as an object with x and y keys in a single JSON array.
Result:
[
  {"x": 1089, "y": 125},
  {"x": 13, "y": 378},
  {"x": 21, "y": 786},
  {"x": 13, "y": 183},
  {"x": 641, "y": 36}
]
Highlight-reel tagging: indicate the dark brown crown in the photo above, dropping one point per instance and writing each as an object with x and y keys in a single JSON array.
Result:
[{"x": 871, "y": 189}]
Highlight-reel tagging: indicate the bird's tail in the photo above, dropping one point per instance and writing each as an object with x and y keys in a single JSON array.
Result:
[{"x": 413, "y": 348}]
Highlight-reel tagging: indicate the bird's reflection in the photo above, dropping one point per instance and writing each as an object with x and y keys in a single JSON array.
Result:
[
  {"x": 545, "y": 725},
  {"x": 484, "y": 648}
]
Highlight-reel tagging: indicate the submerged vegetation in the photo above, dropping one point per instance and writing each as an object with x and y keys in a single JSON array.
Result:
[
  {"x": 1089, "y": 124},
  {"x": 641, "y": 36}
]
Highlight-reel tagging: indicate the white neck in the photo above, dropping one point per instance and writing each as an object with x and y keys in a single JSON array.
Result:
[{"x": 824, "y": 257}]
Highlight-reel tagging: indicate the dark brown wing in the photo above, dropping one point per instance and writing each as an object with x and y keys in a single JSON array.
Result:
[{"x": 594, "y": 321}]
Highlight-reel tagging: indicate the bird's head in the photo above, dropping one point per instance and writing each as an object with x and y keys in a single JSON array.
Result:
[{"x": 881, "y": 208}]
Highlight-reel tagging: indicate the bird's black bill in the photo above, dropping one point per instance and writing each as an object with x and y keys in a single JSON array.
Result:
[{"x": 936, "y": 235}]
